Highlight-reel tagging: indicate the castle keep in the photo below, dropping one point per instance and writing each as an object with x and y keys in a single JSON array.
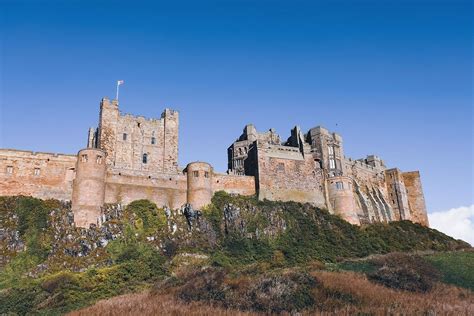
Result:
[{"x": 131, "y": 157}]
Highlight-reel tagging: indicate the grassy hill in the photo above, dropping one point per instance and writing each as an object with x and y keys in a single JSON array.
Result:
[{"x": 238, "y": 254}]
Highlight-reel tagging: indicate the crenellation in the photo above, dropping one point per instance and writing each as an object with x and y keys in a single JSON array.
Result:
[{"x": 132, "y": 157}]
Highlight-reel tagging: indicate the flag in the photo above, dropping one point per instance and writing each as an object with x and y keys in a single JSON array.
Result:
[{"x": 120, "y": 82}]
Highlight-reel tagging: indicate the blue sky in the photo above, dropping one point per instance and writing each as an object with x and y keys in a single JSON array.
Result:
[{"x": 394, "y": 78}]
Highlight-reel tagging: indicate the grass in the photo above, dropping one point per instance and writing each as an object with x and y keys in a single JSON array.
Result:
[
  {"x": 456, "y": 268},
  {"x": 335, "y": 293}
]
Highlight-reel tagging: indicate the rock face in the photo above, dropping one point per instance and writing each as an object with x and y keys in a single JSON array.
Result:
[{"x": 233, "y": 225}]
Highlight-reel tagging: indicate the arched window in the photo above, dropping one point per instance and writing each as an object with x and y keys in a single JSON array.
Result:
[{"x": 145, "y": 158}]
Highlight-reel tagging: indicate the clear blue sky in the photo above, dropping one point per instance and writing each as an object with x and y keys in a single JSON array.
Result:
[{"x": 394, "y": 78}]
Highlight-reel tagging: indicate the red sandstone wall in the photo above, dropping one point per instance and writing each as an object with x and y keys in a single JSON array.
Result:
[
  {"x": 164, "y": 190},
  {"x": 287, "y": 176},
  {"x": 243, "y": 185},
  {"x": 416, "y": 199},
  {"x": 54, "y": 181}
]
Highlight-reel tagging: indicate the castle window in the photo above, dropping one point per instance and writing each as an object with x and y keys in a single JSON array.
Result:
[
  {"x": 195, "y": 174},
  {"x": 124, "y": 136},
  {"x": 240, "y": 151},
  {"x": 84, "y": 158},
  {"x": 332, "y": 164},
  {"x": 153, "y": 140},
  {"x": 206, "y": 174},
  {"x": 145, "y": 158},
  {"x": 37, "y": 172},
  {"x": 281, "y": 167},
  {"x": 99, "y": 160},
  {"x": 9, "y": 169},
  {"x": 339, "y": 185},
  {"x": 331, "y": 150}
]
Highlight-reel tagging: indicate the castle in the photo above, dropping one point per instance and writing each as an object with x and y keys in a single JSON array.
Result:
[{"x": 132, "y": 157}]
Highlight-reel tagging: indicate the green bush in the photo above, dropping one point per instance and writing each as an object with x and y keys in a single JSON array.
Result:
[{"x": 148, "y": 213}]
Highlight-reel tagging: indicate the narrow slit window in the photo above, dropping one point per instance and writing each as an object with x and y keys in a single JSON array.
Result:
[
  {"x": 206, "y": 174},
  {"x": 145, "y": 158},
  {"x": 153, "y": 140},
  {"x": 9, "y": 169},
  {"x": 37, "y": 172},
  {"x": 196, "y": 174},
  {"x": 124, "y": 136},
  {"x": 84, "y": 158},
  {"x": 99, "y": 160}
]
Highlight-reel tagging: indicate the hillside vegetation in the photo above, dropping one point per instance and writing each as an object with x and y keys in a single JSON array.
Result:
[{"x": 238, "y": 254}]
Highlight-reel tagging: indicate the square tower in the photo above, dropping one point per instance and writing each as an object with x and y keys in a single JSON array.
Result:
[{"x": 135, "y": 143}]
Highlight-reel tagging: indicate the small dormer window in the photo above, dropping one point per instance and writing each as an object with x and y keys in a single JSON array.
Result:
[
  {"x": 37, "y": 172},
  {"x": 145, "y": 158},
  {"x": 124, "y": 136},
  {"x": 99, "y": 160},
  {"x": 9, "y": 169},
  {"x": 153, "y": 140},
  {"x": 84, "y": 158}
]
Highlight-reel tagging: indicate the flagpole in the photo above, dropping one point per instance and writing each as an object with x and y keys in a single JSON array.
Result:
[{"x": 117, "y": 94}]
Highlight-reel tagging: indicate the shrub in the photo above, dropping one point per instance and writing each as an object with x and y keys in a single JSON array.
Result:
[
  {"x": 272, "y": 292},
  {"x": 150, "y": 218},
  {"x": 284, "y": 292},
  {"x": 203, "y": 285},
  {"x": 404, "y": 272},
  {"x": 59, "y": 281}
]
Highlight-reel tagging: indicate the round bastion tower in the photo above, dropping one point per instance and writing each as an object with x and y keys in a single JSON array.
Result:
[
  {"x": 341, "y": 198},
  {"x": 199, "y": 176},
  {"x": 88, "y": 187}
]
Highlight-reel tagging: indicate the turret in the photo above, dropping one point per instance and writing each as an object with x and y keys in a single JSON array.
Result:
[
  {"x": 88, "y": 186},
  {"x": 341, "y": 198},
  {"x": 199, "y": 184}
]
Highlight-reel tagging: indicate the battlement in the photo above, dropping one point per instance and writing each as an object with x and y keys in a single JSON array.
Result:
[{"x": 34, "y": 154}]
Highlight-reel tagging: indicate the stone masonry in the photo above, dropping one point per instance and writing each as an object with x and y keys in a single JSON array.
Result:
[
  {"x": 312, "y": 168},
  {"x": 132, "y": 157}
]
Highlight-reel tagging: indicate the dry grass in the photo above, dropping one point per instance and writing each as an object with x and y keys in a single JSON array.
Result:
[
  {"x": 337, "y": 293},
  {"x": 379, "y": 300},
  {"x": 144, "y": 304}
]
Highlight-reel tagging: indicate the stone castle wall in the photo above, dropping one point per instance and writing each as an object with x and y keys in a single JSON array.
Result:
[
  {"x": 416, "y": 199},
  {"x": 232, "y": 184},
  {"x": 43, "y": 175},
  {"x": 285, "y": 174},
  {"x": 164, "y": 189}
]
